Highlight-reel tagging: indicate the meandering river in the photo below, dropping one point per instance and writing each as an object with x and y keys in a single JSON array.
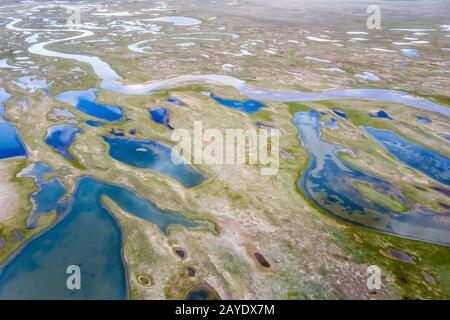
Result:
[
  {"x": 110, "y": 80},
  {"x": 329, "y": 181}
]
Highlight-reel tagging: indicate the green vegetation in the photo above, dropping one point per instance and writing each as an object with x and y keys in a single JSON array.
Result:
[
  {"x": 297, "y": 107},
  {"x": 17, "y": 224},
  {"x": 388, "y": 201},
  {"x": 433, "y": 259}
]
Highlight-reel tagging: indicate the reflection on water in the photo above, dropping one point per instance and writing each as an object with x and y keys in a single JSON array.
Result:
[
  {"x": 328, "y": 182},
  {"x": 161, "y": 116},
  {"x": 202, "y": 291},
  {"x": 110, "y": 80},
  {"x": 85, "y": 101},
  {"x": 10, "y": 144},
  {"x": 50, "y": 192},
  {"x": 380, "y": 114},
  {"x": 61, "y": 137},
  {"x": 431, "y": 163},
  {"x": 155, "y": 156},
  {"x": 87, "y": 236}
]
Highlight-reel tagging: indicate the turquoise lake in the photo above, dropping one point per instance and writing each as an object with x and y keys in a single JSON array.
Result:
[
  {"x": 156, "y": 156},
  {"x": 85, "y": 101},
  {"x": 87, "y": 236}
]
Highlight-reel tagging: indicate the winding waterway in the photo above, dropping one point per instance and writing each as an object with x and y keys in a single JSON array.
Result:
[
  {"x": 110, "y": 80},
  {"x": 329, "y": 181}
]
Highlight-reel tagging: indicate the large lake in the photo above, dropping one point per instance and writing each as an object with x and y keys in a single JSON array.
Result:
[{"x": 87, "y": 236}]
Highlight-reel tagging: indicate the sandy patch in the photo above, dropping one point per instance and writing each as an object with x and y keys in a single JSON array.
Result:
[{"x": 9, "y": 200}]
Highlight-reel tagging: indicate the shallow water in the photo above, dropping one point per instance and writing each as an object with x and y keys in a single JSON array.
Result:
[
  {"x": 328, "y": 182},
  {"x": 431, "y": 163},
  {"x": 87, "y": 236},
  {"x": 202, "y": 292},
  {"x": 113, "y": 82},
  {"x": 50, "y": 192},
  {"x": 380, "y": 114},
  {"x": 410, "y": 52},
  {"x": 368, "y": 76},
  {"x": 10, "y": 144},
  {"x": 332, "y": 124},
  {"x": 174, "y": 101},
  {"x": 400, "y": 255},
  {"x": 32, "y": 83},
  {"x": 423, "y": 120},
  {"x": 155, "y": 156},
  {"x": 117, "y": 133},
  {"x": 94, "y": 123},
  {"x": 178, "y": 21},
  {"x": 85, "y": 101},
  {"x": 249, "y": 106},
  {"x": 161, "y": 116},
  {"x": 340, "y": 114},
  {"x": 61, "y": 137}
]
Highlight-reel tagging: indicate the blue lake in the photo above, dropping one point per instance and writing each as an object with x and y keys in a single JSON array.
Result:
[
  {"x": 87, "y": 236},
  {"x": 431, "y": 163},
  {"x": 60, "y": 137},
  {"x": 332, "y": 124},
  {"x": 48, "y": 196},
  {"x": 423, "y": 120},
  {"x": 410, "y": 52},
  {"x": 10, "y": 144},
  {"x": 85, "y": 101},
  {"x": 116, "y": 133},
  {"x": 155, "y": 156},
  {"x": 94, "y": 123},
  {"x": 328, "y": 182},
  {"x": 32, "y": 83},
  {"x": 340, "y": 113},
  {"x": 380, "y": 114},
  {"x": 161, "y": 116},
  {"x": 249, "y": 106},
  {"x": 174, "y": 101},
  {"x": 260, "y": 124}
]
